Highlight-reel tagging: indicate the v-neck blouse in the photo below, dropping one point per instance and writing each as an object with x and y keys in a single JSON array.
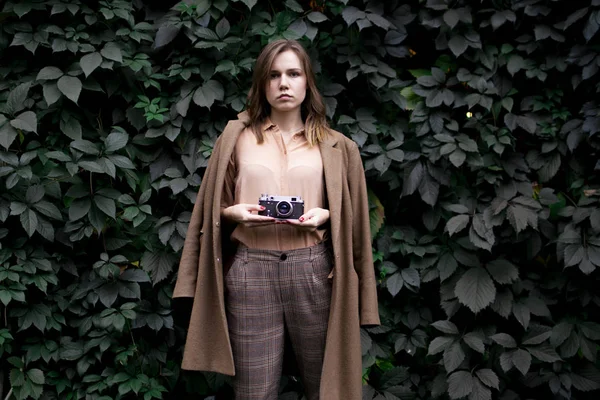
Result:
[{"x": 275, "y": 167}]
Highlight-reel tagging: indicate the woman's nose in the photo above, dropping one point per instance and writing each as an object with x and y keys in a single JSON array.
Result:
[{"x": 283, "y": 81}]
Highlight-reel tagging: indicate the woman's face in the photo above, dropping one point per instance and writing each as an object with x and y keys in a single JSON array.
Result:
[{"x": 286, "y": 86}]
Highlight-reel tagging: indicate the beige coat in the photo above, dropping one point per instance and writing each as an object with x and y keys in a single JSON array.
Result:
[{"x": 354, "y": 296}]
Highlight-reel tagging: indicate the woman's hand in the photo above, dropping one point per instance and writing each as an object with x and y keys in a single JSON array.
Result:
[
  {"x": 310, "y": 220},
  {"x": 242, "y": 214}
]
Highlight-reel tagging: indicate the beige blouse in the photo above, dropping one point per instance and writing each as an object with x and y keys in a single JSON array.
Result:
[{"x": 275, "y": 167}]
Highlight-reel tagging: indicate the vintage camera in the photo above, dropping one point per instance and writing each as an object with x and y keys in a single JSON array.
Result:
[{"x": 282, "y": 207}]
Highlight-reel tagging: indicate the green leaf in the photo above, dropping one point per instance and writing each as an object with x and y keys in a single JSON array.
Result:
[
  {"x": 35, "y": 315},
  {"x": 440, "y": 344},
  {"x": 16, "y": 98},
  {"x": 515, "y": 64},
  {"x": 72, "y": 128},
  {"x": 488, "y": 378},
  {"x": 135, "y": 275},
  {"x": 294, "y": 6},
  {"x": 560, "y": 333},
  {"x": 90, "y": 62},
  {"x": 475, "y": 289},
  {"x": 350, "y": 14},
  {"x": 51, "y": 93},
  {"x": 480, "y": 391},
  {"x": 429, "y": 190},
  {"x": 458, "y": 45},
  {"x": 517, "y": 216},
  {"x": 410, "y": 276},
  {"x": 378, "y": 20},
  {"x": 451, "y": 17},
  {"x": 36, "y": 376},
  {"x": 545, "y": 353},
  {"x": 475, "y": 342},
  {"x": 522, "y": 360},
  {"x": 446, "y": 327},
  {"x": 503, "y": 271},
  {"x": 70, "y": 87},
  {"x": 121, "y": 161},
  {"x": 85, "y": 146},
  {"x": 296, "y": 30},
  {"x": 447, "y": 265},
  {"x": 26, "y": 121},
  {"x": 116, "y": 141},
  {"x": 412, "y": 178},
  {"x": 158, "y": 264},
  {"x": 112, "y": 52},
  {"x": 394, "y": 283},
  {"x": 17, "y": 377},
  {"x": 460, "y": 384},
  {"x": 29, "y": 221},
  {"x": 453, "y": 357},
  {"x": 585, "y": 379},
  {"x": 7, "y": 133},
  {"x": 108, "y": 293},
  {"x": 48, "y": 209},
  {"x": 208, "y": 93},
  {"x": 591, "y": 27},
  {"x": 79, "y": 208},
  {"x": 522, "y": 314},
  {"x": 458, "y": 157},
  {"x": 249, "y": 3},
  {"x": 22, "y": 8},
  {"x": 223, "y": 28},
  {"x": 106, "y": 205},
  {"x": 49, "y": 73},
  {"x": 457, "y": 223},
  {"x": 316, "y": 17},
  {"x": 34, "y": 194}
]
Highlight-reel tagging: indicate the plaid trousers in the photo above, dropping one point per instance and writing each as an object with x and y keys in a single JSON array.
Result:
[{"x": 268, "y": 292}]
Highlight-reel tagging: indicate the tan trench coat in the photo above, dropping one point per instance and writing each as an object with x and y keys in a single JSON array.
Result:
[{"x": 354, "y": 296}]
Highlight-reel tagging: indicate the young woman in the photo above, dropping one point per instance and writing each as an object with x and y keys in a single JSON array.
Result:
[{"x": 311, "y": 277}]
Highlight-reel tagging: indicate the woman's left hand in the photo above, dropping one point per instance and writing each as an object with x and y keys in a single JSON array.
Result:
[{"x": 310, "y": 220}]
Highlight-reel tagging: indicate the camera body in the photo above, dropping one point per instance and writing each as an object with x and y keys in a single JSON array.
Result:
[{"x": 281, "y": 207}]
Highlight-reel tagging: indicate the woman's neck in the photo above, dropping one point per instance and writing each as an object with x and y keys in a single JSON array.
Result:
[{"x": 287, "y": 122}]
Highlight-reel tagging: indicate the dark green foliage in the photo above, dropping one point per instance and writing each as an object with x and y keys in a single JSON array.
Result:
[{"x": 479, "y": 125}]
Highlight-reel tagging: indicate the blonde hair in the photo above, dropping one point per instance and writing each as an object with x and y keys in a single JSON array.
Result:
[{"x": 312, "y": 109}]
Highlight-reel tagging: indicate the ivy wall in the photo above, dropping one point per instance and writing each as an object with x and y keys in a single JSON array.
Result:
[{"x": 479, "y": 127}]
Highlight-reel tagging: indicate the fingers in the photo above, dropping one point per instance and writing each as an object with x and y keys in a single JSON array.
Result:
[
  {"x": 258, "y": 223},
  {"x": 259, "y": 218},
  {"x": 253, "y": 207}
]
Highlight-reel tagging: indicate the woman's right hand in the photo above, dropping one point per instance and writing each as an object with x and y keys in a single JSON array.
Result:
[{"x": 243, "y": 214}]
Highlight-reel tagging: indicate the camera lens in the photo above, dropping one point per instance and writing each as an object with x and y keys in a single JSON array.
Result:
[{"x": 284, "y": 208}]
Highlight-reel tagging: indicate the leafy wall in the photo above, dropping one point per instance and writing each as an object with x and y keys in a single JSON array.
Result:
[{"x": 478, "y": 124}]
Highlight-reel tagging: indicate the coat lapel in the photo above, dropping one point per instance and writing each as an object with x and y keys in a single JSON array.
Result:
[{"x": 332, "y": 169}]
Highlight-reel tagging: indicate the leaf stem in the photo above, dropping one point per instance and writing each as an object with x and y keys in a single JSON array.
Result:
[
  {"x": 131, "y": 334},
  {"x": 570, "y": 199}
]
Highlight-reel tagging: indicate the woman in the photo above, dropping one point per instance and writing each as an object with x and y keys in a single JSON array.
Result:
[{"x": 312, "y": 276}]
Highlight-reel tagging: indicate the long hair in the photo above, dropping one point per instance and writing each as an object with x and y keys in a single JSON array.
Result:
[{"x": 313, "y": 107}]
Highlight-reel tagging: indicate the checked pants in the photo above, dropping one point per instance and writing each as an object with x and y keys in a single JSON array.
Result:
[{"x": 267, "y": 292}]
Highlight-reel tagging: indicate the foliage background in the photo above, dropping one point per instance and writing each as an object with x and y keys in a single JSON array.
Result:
[{"x": 478, "y": 123}]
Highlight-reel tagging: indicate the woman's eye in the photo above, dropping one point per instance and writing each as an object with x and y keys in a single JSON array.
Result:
[{"x": 273, "y": 76}]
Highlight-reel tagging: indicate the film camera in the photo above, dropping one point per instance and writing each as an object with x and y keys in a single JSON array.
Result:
[{"x": 282, "y": 207}]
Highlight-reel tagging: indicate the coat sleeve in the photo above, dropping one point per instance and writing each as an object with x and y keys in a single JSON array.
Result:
[
  {"x": 361, "y": 239},
  {"x": 188, "y": 265}
]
